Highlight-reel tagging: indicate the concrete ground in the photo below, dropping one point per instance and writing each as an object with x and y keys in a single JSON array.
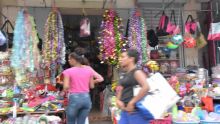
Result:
[{"x": 100, "y": 122}]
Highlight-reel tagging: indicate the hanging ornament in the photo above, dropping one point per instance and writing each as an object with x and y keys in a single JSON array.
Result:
[
  {"x": 111, "y": 41},
  {"x": 25, "y": 54},
  {"x": 137, "y": 38},
  {"x": 53, "y": 54}
]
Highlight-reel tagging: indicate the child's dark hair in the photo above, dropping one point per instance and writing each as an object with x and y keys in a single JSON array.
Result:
[
  {"x": 133, "y": 53},
  {"x": 79, "y": 56}
]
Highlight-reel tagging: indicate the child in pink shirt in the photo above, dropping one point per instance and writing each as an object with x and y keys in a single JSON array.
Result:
[{"x": 78, "y": 80}]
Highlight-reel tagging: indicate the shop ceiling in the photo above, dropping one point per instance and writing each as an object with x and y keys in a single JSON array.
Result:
[
  {"x": 92, "y": 7},
  {"x": 96, "y": 4}
]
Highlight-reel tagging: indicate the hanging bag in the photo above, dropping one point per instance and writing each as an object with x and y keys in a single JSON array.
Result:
[
  {"x": 163, "y": 25},
  {"x": 7, "y": 34},
  {"x": 2, "y": 39},
  {"x": 214, "y": 31},
  {"x": 177, "y": 38},
  {"x": 190, "y": 26},
  {"x": 214, "y": 28},
  {"x": 190, "y": 31},
  {"x": 151, "y": 35},
  {"x": 200, "y": 40},
  {"x": 171, "y": 26}
]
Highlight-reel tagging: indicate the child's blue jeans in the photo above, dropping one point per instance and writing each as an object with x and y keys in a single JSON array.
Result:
[{"x": 78, "y": 108}]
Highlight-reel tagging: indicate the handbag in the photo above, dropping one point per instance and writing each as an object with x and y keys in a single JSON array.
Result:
[
  {"x": 177, "y": 38},
  {"x": 214, "y": 31},
  {"x": 161, "y": 96},
  {"x": 200, "y": 40},
  {"x": 152, "y": 37},
  {"x": 8, "y": 35},
  {"x": 2, "y": 39},
  {"x": 190, "y": 26},
  {"x": 171, "y": 27},
  {"x": 161, "y": 31}
]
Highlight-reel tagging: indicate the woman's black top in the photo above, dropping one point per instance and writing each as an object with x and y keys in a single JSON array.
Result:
[{"x": 127, "y": 81}]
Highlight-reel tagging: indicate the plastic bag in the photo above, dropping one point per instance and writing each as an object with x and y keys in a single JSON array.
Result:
[
  {"x": 214, "y": 31},
  {"x": 85, "y": 27}
]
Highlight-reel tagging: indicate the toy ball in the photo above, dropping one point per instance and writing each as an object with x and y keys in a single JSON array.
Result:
[
  {"x": 177, "y": 39},
  {"x": 170, "y": 45}
]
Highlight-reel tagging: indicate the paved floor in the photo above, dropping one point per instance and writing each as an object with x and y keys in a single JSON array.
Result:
[
  {"x": 101, "y": 122},
  {"x": 96, "y": 117}
]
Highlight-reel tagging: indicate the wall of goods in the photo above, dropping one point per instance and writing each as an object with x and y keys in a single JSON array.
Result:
[
  {"x": 28, "y": 74},
  {"x": 198, "y": 93}
]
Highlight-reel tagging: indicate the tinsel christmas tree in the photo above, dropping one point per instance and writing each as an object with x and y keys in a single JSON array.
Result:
[
  {"x": 53, "y": 44},
  {"x": 25, "y": 54},
  {"x": 137, "y": 38},
  {"x": 111, "y": 40}
]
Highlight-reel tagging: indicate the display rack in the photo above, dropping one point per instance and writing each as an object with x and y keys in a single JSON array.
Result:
[{"x": 168, "y": 63}]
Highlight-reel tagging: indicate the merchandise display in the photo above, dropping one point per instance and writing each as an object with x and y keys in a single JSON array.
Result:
[
  {"x": 111, "y": 40},
  {"x": 137, "y": 38},
  {"x": 181, "y": 89},
  {"x": 53, "y": 52},
  {"x": 25, "y": 54}
]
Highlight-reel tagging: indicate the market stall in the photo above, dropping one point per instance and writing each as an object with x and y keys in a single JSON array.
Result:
[{"x": 28, "y": 75}]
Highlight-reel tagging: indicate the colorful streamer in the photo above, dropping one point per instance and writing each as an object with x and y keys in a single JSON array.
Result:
[
  {"x": 137, "y": 38},
  {"x": 53, "y": 45},
  {"x": 111, "y": 40},
  {"x": 25, "y": 56}
]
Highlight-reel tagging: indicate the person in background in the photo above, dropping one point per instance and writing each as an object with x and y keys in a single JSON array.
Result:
[
  {"x": 125, "y": 98},
  {"x": 78, "y": 80}
]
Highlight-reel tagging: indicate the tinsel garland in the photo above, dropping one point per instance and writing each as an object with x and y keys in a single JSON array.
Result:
[
  {"x": 61, "y": 47},
  {"x": 25, "y": 55},
  {"x": 36, "y": 53},
  {"x": 111, "y": 40},
  {"x": 53, "y": 45},
  {"x": 137, "y": 38},
  {"x": 144, "y": 44},
  {"x": 18, "y": 42}
]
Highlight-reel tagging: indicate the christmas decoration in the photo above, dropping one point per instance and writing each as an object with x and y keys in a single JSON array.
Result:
[
  {"x": 137, "y": 38},
  {"x": 111, "y": 40},
  {"x": 53, "y": 45},
  {"x": 25, "y": 54}
]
